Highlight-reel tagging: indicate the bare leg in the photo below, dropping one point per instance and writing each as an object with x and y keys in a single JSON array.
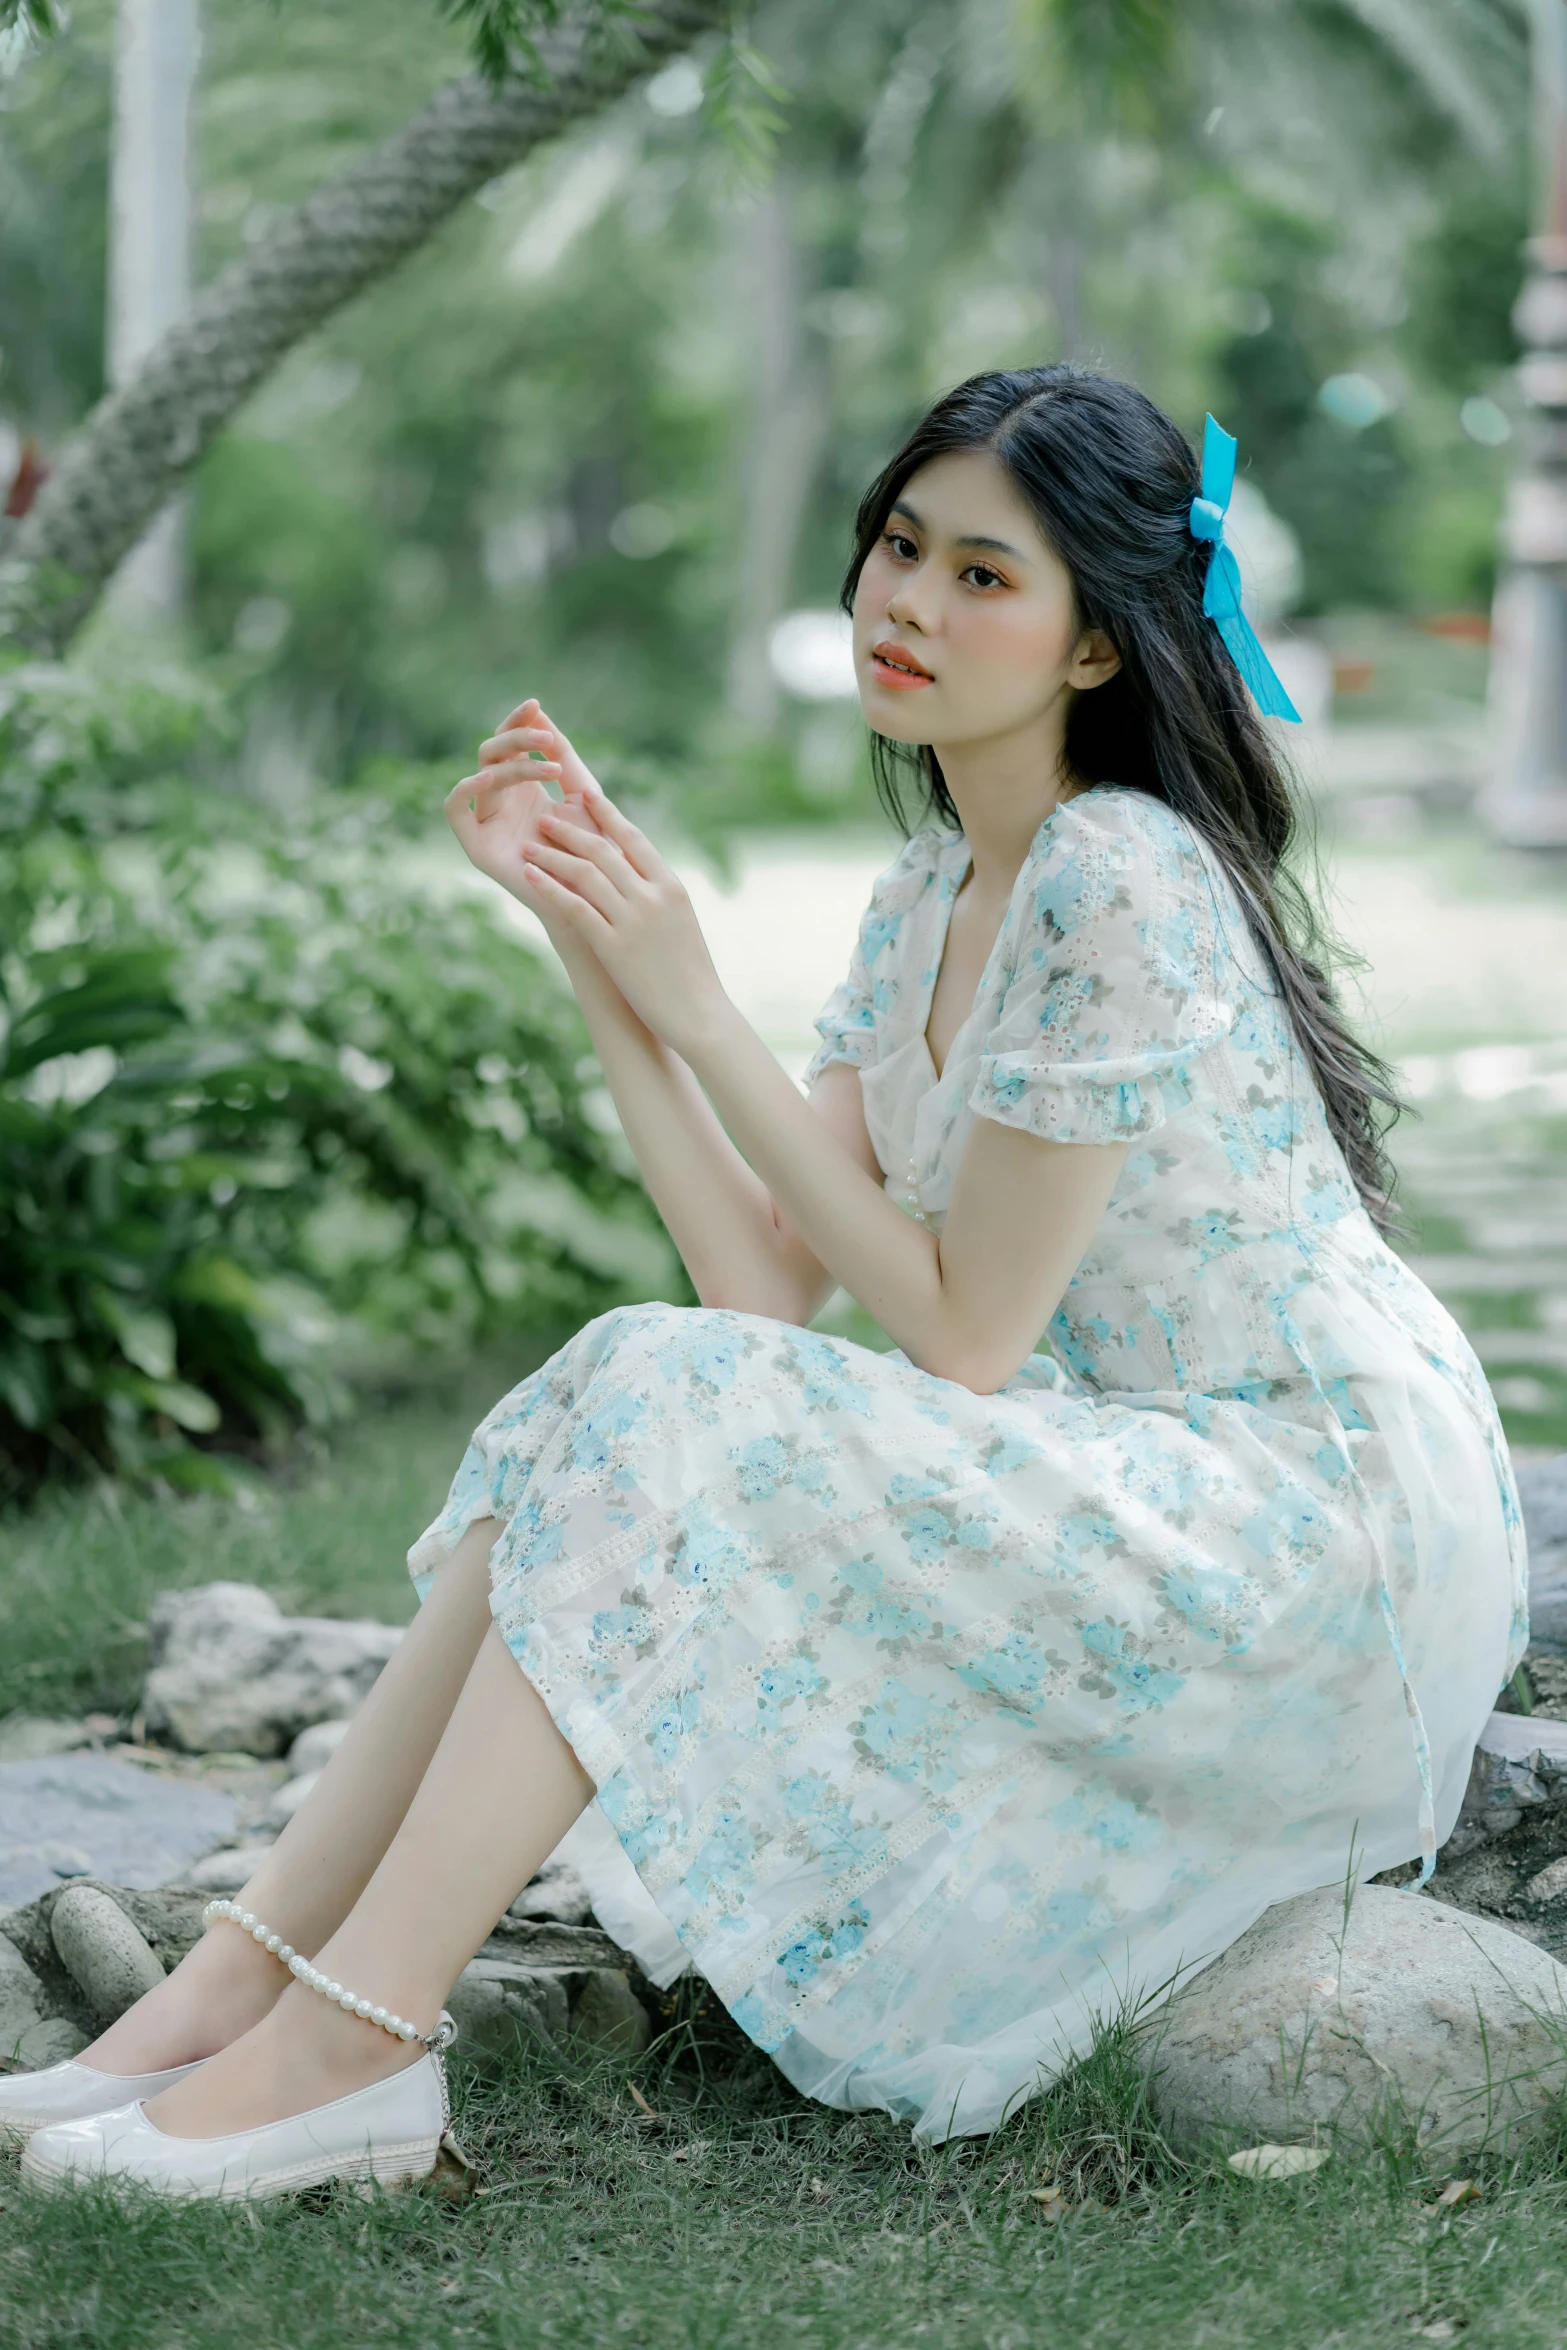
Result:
[
  {"x": 502, "y": 1790},
  {"x": 326, "y": 1855}
]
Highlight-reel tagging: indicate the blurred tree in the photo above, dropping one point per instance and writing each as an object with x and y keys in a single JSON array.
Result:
[{"x": 119, "y": 471}]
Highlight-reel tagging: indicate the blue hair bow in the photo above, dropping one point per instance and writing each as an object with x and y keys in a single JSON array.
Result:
[{"x": 1221, "y": 598}]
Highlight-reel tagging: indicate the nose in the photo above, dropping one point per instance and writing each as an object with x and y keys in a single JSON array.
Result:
[{"x": 910, "y": 605}]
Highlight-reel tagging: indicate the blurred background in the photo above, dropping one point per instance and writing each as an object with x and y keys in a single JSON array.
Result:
[{"x": 295, "y": 1113}]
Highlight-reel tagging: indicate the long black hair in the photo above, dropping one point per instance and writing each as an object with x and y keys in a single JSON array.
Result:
[{"x": 1110, "y": 481}]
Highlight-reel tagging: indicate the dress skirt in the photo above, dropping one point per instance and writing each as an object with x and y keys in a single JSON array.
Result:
[{"x": 937, "y": 1724}]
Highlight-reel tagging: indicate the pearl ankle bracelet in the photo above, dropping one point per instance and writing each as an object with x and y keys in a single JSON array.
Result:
[{"x": 314, "y": 1980}]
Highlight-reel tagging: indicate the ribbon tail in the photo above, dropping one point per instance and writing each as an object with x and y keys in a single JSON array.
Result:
[{"x": 1261, "y": 678}]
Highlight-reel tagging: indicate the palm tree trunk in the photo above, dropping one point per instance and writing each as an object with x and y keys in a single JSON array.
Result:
[
  {"x": 149, "y": 246},
  {"x": 139, "y": 443}
]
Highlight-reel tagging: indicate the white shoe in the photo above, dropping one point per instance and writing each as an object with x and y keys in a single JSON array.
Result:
[
  {"x": 391, "y": 2132},
  {"x": 67, "y": 2092}
]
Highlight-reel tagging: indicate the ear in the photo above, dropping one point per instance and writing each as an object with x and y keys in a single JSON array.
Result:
[{"x": 1094, "y": 661}]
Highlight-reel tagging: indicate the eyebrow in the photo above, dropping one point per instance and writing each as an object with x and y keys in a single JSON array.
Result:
[{"x": 992, "y": 546}]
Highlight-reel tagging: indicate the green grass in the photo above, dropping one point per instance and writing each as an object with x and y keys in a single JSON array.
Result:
[
  {"x": 327, "y": 1535},
  {"x": 739, "y": 2217}
]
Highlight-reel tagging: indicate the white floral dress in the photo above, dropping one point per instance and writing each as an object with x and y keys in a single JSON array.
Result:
[{"x": 934, "y": 1722}]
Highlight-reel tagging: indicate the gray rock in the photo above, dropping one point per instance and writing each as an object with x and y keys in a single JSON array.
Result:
[
  {"x": 287, "y": 1801},
  {"x": 558, "y": 1893},
  {"x": 106, "y": 1957},
  {"x": 224, "y": 1872},
  {"x": 313, "y": 1749},
  {"x": 1542, "y": 1488},
  {"x": 1410, "y": 2016},
  {"x": 51, "y": 2042},
  {"x": 29, "y": 1737},
  {"x": 87, "y": 1814},
  {"x": 23, "y": 2000},
  {"x": 607, "y": 2015},
  {"x": 231, "y": 1673},
  {"x": 167, "y": 1920},
  {"x": 1519, "y": 1765},
  {"x": 495, "y": 2003}
]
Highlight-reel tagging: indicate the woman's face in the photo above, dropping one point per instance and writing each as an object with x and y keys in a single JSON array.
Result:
[{"x": 963, "y": 622}]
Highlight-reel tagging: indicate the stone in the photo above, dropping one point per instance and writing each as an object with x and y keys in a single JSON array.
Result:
[
  {"x": 106, "y": 1957},
  {"x": 53, "y": 2041},
  {"x": 1520, "y": 1764},
  {"x": 287, "y": 1801},
  {"x": 167, "y": 1920},
  {"x": 89, "y": 1815},
  {"x": 30, "y": 1737},
  {"x": 1407, "y": 2015},
  {"x": 314, "y": 1748},
  {"x": 23, "y": 2000},
  {"x": 606, "y": 2014},
  {"x": 495, "y": 2003},
  {"x": 226, "y": 1871},
  {"x": 1550, "y": 1883},
  {"x": 229, "y": 1671},
  {"x": 1542, "y": 1489},
  {"x": 557, "y": 1892}
]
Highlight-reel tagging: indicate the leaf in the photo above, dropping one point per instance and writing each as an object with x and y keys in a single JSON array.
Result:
[
  {"x": 186, "y": 1406},
  {"x": 146, "y": 1337},
  {"x": 24, "y": 1383},
  {"x": 1277, "y": 2162},
  {"x": 1456, "y": 2191}
]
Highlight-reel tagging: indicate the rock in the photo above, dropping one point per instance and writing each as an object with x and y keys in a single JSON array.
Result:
[
  {"x": 167, "y": 1920},
  {"x": 557, "y": 1892},
  {"x": 607, "y": 2014},
  {"x": 51, "y": 2042},
  {"x": 1519, "y": 1765},
  {"x": 1430, "y": 2019},
  {"x": 30, "y": 1737},
  {"x": 230, "y": 1671},
  {"x": 314, "y": 1748},
  {"x": 225, "y": 1871},
  {"x": 87, "y": 1814},
  {"x": 23, "y": 2001},
  {"x": 1542, "y": 1488},
  {"x": 1549, "y": 1883},
  {"x": 496, "y": 2002},
  {"x": 287, "y": 1801},
  {"x": 109, "y": 1961}
]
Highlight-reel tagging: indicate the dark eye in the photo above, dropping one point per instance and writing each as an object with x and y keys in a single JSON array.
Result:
[
  {"x": 902, "y": 546},
  {"x": 982, "y": 576}
]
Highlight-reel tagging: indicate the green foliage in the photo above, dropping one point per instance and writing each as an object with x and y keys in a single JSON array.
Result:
[{"x": 271, "y": 1094}]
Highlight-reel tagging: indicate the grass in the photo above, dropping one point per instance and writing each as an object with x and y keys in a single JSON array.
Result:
[
  {"x": 328, "y": 1535},
  {"x": 737, "y": 2216}
]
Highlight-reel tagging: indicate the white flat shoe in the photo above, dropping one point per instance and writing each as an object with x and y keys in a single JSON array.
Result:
[
  {"x": 68, "y": 2092},
  {"x": 391, "y": 2132}
]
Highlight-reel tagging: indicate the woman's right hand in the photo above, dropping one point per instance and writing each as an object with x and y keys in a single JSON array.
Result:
[{"x": 496, "y": 812}]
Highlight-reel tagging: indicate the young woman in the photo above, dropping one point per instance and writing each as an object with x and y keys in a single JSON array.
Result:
[{"x": 940, "y": 1697}]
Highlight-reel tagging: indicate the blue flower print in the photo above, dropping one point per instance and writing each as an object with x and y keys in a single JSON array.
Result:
[{"x": 827, "y": 1941}]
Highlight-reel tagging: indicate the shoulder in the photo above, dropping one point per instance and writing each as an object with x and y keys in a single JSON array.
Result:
[
  {"x": 1116, "y": 855},
  {"x": 914, "y": 876}
]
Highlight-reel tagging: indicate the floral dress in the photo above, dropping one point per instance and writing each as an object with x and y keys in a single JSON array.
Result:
[{"x": 935, "y": 1723}]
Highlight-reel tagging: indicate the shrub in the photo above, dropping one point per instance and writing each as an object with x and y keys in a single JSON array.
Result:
[{"x": 275, "y": 1096}]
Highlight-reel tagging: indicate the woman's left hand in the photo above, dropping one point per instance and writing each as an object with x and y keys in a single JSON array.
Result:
[{"x": 611, "y": 887}]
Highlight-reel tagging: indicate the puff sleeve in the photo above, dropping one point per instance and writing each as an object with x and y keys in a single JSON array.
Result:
[
  {"x": 847, "y": 1022},
  {"x": 1120, "y": 978}
]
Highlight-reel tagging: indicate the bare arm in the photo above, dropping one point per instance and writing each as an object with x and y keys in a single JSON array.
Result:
[
  {"x": 969, "y": 1306},
  {"x": 736, "y": 1246}
]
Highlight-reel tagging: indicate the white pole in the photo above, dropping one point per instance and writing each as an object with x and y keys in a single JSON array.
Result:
[
  {"x": 149, "y": 245},
  {"x": 1526, "y": 801}
]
